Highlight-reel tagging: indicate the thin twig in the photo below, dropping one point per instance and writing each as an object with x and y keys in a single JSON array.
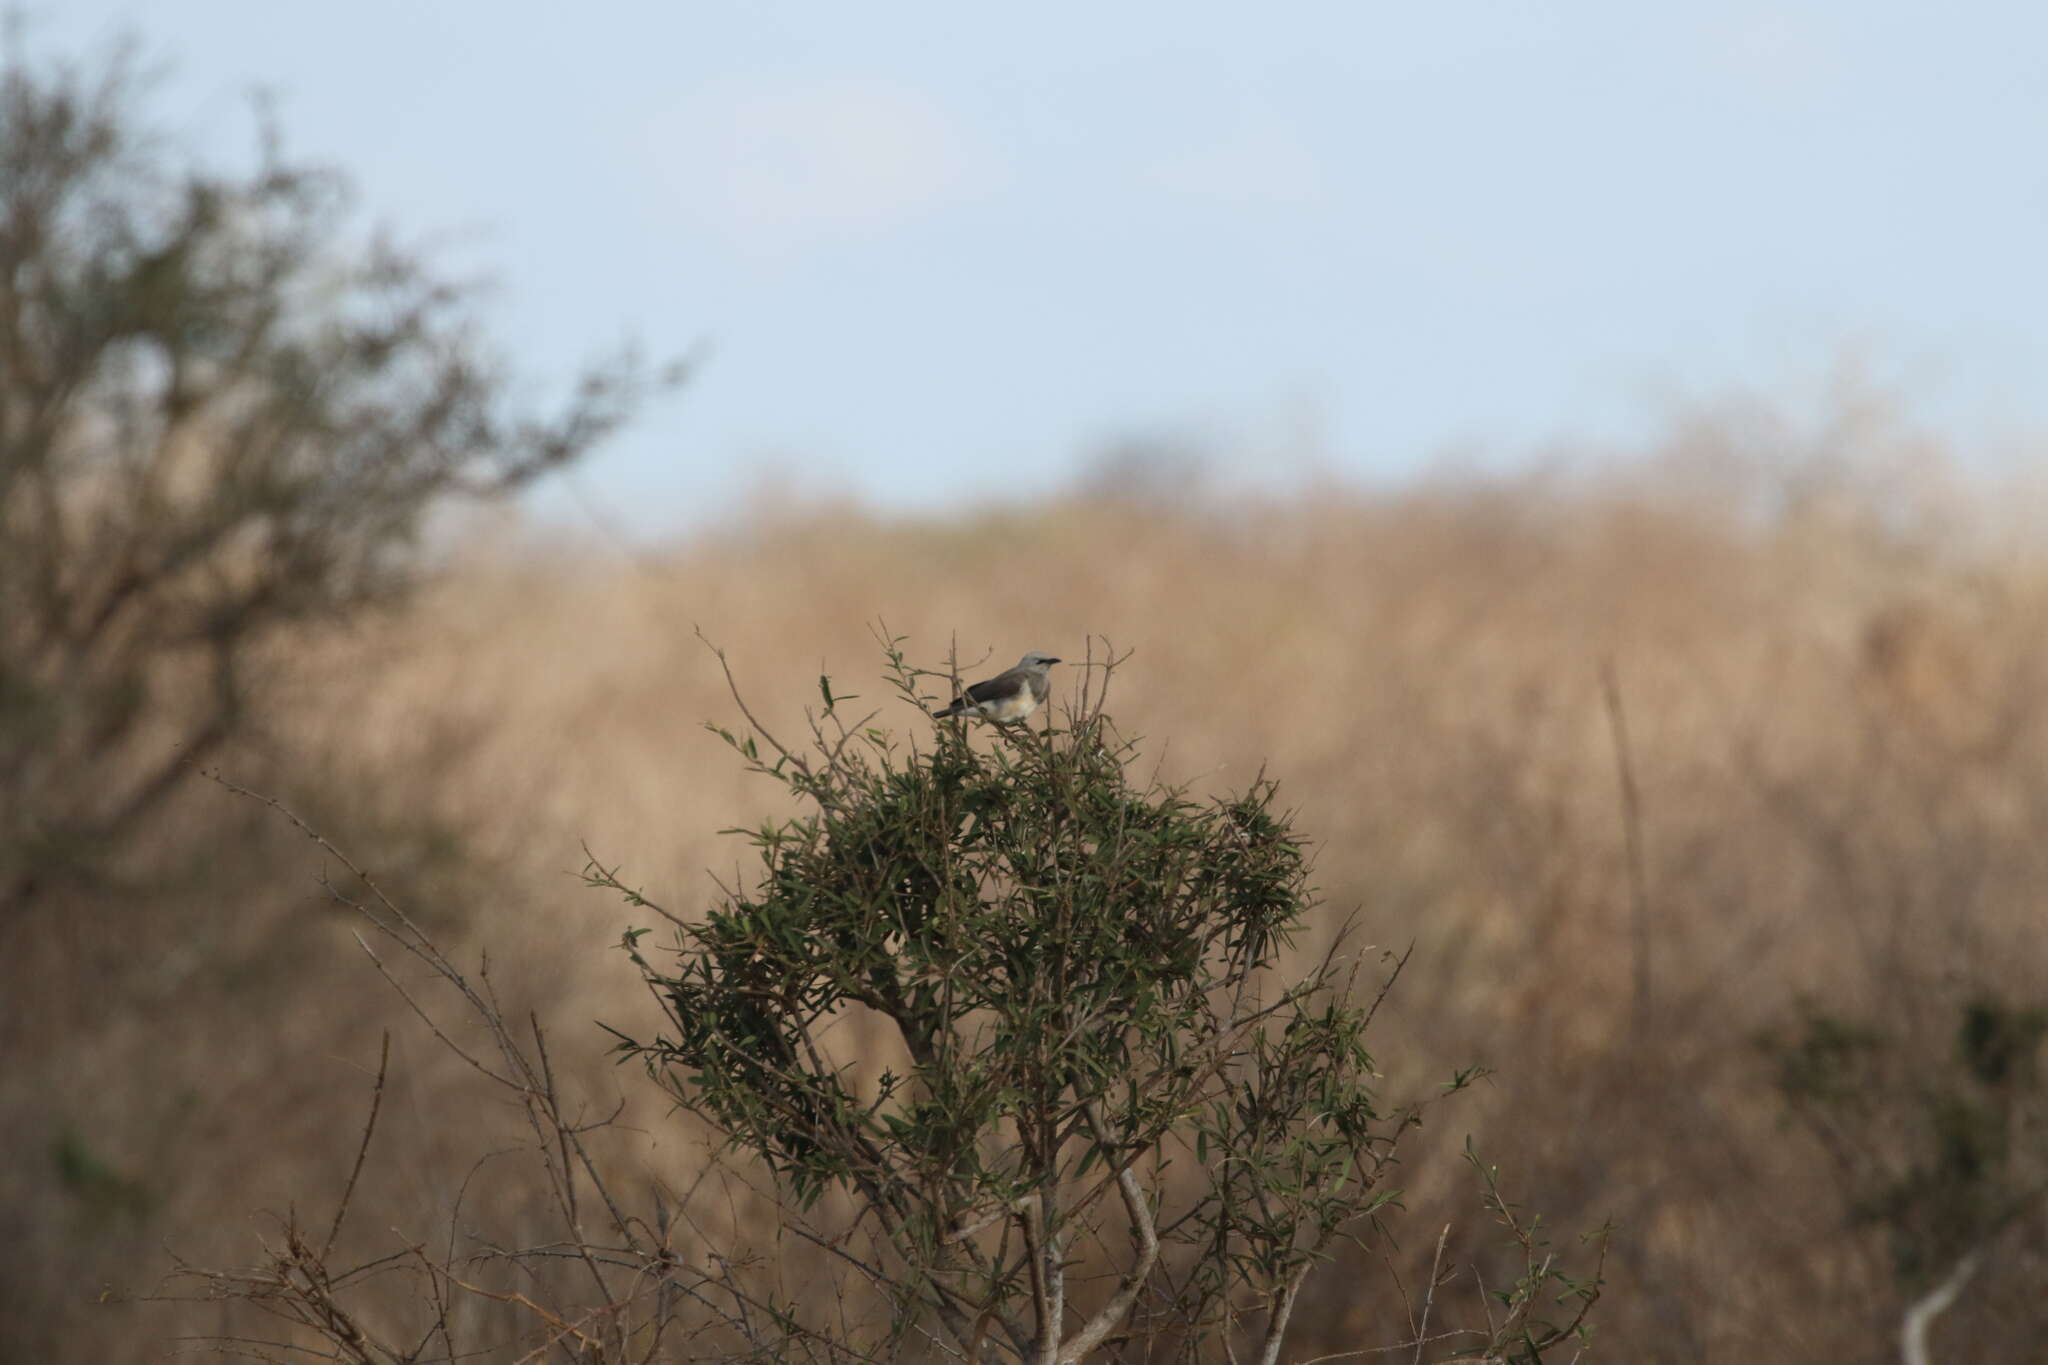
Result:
[
  {"x": 362, "y": 1150},
  {"x": 1429, "y": 1295}
]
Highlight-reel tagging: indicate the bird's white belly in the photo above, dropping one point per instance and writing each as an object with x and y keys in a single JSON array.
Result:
[{"x": 1010, "y": 708}]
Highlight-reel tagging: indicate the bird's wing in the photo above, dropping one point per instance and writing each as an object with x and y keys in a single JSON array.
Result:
[{"x": 998, "y": 688}]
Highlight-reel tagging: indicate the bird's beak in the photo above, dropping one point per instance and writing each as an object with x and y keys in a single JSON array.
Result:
[{"x": 1052, "y": 661}]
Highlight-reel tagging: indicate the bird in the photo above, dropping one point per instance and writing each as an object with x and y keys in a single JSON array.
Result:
[{"x": 1012, "y": 695}]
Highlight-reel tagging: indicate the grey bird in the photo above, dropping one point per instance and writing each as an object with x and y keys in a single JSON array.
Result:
[{"x": 1007, "y": 696}]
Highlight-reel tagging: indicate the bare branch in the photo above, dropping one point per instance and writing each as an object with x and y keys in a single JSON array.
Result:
[
  {"x": 1113, "y": 1312},
  {"x": 362, "y": 1149}
]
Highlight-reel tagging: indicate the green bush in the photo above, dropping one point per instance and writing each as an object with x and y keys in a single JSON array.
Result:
[{"x": 1025, "y": 1016}]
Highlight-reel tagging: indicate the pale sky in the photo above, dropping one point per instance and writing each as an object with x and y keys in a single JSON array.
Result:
[{"x": 943, "y": 253}]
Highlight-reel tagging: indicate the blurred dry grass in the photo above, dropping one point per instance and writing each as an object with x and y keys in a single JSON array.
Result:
[{"x": 1835, "y": 677}]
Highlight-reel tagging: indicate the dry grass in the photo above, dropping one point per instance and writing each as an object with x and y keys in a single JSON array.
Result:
[{"x": 1836, "y": 690}]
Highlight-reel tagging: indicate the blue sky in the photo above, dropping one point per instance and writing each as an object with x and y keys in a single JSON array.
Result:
[{"x": 940, "y": 253}]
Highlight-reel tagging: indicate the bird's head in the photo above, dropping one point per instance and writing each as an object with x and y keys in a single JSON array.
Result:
[{"x": 1036, "y": 660}]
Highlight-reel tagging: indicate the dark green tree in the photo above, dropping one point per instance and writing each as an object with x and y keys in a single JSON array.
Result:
[{"x": 1019, "y": 1022}]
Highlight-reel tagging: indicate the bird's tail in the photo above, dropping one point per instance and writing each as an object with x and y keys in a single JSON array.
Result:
[{"x": 944, "y": 712}]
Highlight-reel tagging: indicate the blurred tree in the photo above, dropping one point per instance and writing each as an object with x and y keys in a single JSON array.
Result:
[
  {"x": 220, "y": 414},
  {"x": 1946, "y": 1155}
]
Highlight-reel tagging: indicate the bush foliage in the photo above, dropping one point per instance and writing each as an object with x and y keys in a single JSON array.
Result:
[{"x": 1019, "y": 1009}]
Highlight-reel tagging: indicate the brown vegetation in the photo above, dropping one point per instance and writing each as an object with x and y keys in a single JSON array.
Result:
[{"x": 1834, "y": 705}]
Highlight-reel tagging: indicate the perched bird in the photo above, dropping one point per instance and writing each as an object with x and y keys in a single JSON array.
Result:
[{"x": 1007, "y": 696}]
